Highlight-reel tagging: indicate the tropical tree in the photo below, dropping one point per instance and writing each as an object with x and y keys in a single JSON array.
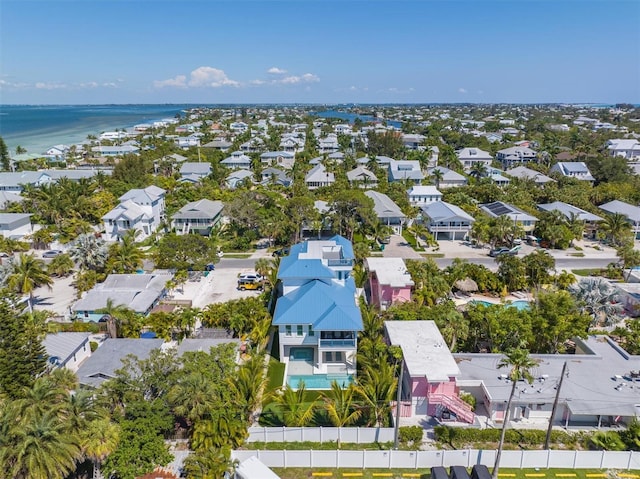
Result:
[
  {"x": 538, "y": 265},
  {"x": 116, "y": 315},
  {"x": 28, "y": 273},
  {"x": 125, "y": 256},
  {"x": 295, "y": 409},
  {"x": 564, "y": 279},
  {"x": 377, "y": 387},
  {"x": 599, "y": 299},
  {"x": 478, "y": 170},
  {"x": 629, "y": 256},
  {"x": 340, "y": 405},
  {"x": 99, "y": 438},
  {"x": 437, "y": 175},
  {"x": 89, "y": 252},
  {"x": 61, "y": 265},
  {"x": 616, "y": 229},
  {"x": 521, "y": 365},
  {"x": 193, "y": 397},
  {"x": 5, "y": 158}
]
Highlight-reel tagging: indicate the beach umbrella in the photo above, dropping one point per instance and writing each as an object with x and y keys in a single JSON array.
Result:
[{"x": 466, "y": 285}]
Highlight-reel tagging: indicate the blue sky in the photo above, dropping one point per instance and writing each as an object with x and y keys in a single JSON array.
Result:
[{"x": 184, "y": 51}]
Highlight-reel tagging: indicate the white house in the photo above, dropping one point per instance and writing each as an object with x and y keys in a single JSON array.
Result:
[
  {"x": 450, "y": 178},
  {"x": 572, "y": 169},
  {"x": 15, "y": 225},
  {"x": 626, "y": 148},
  {"x": 115, "y": 150},
  {"x": 197, "y": 217},
  {"x": 524, "y": 173},
  {"x": 387, "y": 211},
  {"x": 67, "y": 350},
  {"x": 139, "y": 209},
  {"x": 404, "y": 170},
  {"x": 194, "y": 171},
  {"x": 472, "y": 156},
  {"x": 447, "y": 221},
  {"x": 362, "y": 177},
  {"x": 279, "y": 159},
  {"x": 328, "y": 144},
  {"x": 237, "y": 161},
  {"x": 422, "y": 195},
  {"x": 318, "y": 176},
  {"x": 498, "y": 208},
  {"x": 630, "y": 211},
  {"x": 516, "y": 155}
]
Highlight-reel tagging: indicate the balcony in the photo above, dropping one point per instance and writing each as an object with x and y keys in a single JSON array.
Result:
[
  {"x": 340, "y": 262},
  {"x": 337, "y": 343}
]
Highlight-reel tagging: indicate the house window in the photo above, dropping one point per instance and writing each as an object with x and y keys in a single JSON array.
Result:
[
  {"x": 287, "y": 330},
  {"x": 299, "y": 330},
  {"x": 311, "y": 331},
  {"x": 333, "y": 357}
]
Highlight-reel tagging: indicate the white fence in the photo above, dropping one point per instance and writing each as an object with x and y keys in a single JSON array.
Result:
[
  {"x": 426, "y": 459},
  {"x": 359, "y": 435}
]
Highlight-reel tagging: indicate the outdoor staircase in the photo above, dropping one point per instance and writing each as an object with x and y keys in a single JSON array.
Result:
[{"x": 454, "y": 404}]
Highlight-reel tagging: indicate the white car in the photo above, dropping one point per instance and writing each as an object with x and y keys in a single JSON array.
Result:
[{"x": 250, "y": 277}]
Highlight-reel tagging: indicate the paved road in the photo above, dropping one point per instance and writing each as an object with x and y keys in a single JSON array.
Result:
[{"x": 235, "y": 263}]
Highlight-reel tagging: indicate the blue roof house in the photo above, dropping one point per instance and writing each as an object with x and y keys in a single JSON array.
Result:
[{"x": 317, "y": 314}]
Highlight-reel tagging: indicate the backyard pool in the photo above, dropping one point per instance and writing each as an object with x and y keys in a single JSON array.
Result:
[
  {"x": 319, "y": 381},
  {"x": 519, "y": 305}
]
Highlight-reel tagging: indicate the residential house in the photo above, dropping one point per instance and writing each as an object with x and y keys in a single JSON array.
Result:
[
  {"x": 629, "y": 294},
  {"x": 318, "y": 176},
  {"x": 404, "y": 170},
  {"x": 274, "y": 176},
  {"x": 343, "y": 129},
  {"x": 422, "y": 195},
  {"x": 67, "y": 350},
  {"x": 139, "y": 209},
  {"x": 599, "y": 388},
  {"x": 569, "y": 211},
  {"x": 138, "y": 292},
  {"x": 630, "y": 211},
  {"x": 186, "y": 142},
  {"x": 429, "y": 386},
  {"x": 112, "y": 135},
  {"x": 115, "y": 150},
  {"x": 220, "y": 144},
  {"x": 253, "y": 468},
  {"x": 496, "y": 176},
  {"x": 626, "y": 148},
  {"x": 107, "y": 359},
  {"x": 473, "y": 156},
  {"x": 15, "y": 225},
  {"x": 516, "y": 155},
  {"x": 292, "y": 143},
  {"x": 253, "y": 145},
  {"x": 237, "y": 161},
  {"x": 238, "y": 177},
  {"x": 317, "y": 314},
  {"x": 279, "y": 159},
  {"x": 194, "y": 172},
  {"x": 450, "y": 178},
  {"x": 198, "y": 217},
  {"x": 238, "y": 127},
  {"x": 388, "y": 282},
  {"x": 496, "y": 209},
  {"x": 573, "y": 169},
  {"x": 362, "y": 177},
  {"x": 387, "y": 211},
  {"x": 524, "y": 173},
  {"x": 493, "y": 137},
  {"x": 57, "y": 152},
  {"x": 412, "y": 141},
  {"x": 8, "y": 197},
  {"x": 444, "y": 220},
  {"x": 15, "y": 181},
  {"x": 328, "y": 144}
]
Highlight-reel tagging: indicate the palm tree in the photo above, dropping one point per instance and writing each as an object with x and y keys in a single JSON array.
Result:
[
  {"x": 377, "y": 387},
  {"x": 478, "y": 170},
  {"x": 340, "y": 406},
  {"x": 192, "y": 398},
  {"x": 616, "y": 228},
  {"x": 89, "y": 252},
  {"x": 249, "y": 383},
  {"x": 521, "y": 365},
  {"x": 576, "y": 225},
  {"x": 62, "y": 265},
  {"x": 599, "y": 299},
  {"x": 565, "y": 279},
  {"x": 630, "y": 258},
  {"x": 99, "y": 438},
  {"x": 296, "y": 410},
  {"x": 116, "y": 314},
  {"x": 125, "y": 256},
  {"x": 27, "y": 275},
  {"x": 437, "y": 176}
]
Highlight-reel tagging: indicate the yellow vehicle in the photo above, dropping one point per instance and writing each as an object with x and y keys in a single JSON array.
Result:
[{"x": 250, "y": 284}]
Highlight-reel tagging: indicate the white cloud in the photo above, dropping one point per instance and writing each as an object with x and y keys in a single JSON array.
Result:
[
  {"x": 201, "y": 77},
  {"x": 462, "y": 90},
  {"x": 8, "y": 84},
  {"x": 257, "y": 82},
  {"x": 276, "y": 71},
  {"x": 90, "y": 84},
  {"x": 178, "y": 82},
  {"x": 50, "y": 86},
  {"x": 110, "y": 85},
  {"x": 306, "y": 78},
  {"x": 210, "y": 77}
]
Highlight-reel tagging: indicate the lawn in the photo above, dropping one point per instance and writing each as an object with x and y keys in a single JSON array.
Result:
[
  {"x": 587, "y": 272},
  {"x": 291, "y": 473}
]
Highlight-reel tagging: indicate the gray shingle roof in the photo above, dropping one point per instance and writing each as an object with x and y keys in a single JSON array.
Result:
[
  {"x": 199, "y": 209},
  {"x": 630, "y": 211},
  {"x": 63, "y": 345},
  {"x": 383, "y": 206}
]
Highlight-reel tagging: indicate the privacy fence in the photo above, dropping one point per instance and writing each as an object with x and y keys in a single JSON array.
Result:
[
  {"x": 358, "y": 435},
  {"x": 426, "y": 459}
]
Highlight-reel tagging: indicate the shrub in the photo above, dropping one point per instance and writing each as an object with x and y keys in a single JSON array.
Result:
[
  {"x": 410, "y": 435},
  {"x": 527, "y": 437},
  {"x": 469, "y": 399},
  {"x": 93, "y": 345}
]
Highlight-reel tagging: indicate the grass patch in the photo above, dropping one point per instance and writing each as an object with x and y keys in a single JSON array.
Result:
[
  {"x": 587, "y": 272},
  {"x": 432, "y": 255},
  {"x": 275, "y": 375},
  {"x": 237, "y": 255},
  {"x": 411, "y": 240},
  {"x": 300, "y": 473},
  {"x": 576, "y": 255}
]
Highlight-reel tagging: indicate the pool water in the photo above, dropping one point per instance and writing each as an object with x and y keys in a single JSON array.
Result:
[
  {"x": 319, "y": 381},
  {"x": 519, "y": 305}
]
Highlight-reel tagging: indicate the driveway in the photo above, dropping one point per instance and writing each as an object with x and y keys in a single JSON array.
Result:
[{"x": 399, "y": 248}]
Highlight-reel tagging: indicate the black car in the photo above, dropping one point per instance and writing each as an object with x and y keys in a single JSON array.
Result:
[
  {"x": 504, "y": 250},
  {"x": 281, "y": 252}
]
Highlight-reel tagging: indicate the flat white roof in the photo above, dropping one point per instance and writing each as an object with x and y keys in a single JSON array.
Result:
[
  {"x": 253, "y": 468},
  {"x": 424, "y": 350},
  {"x": 391, "y": 271}
]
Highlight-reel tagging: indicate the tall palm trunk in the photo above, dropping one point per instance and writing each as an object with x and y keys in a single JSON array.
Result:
[{"x": 505, "y": 423}]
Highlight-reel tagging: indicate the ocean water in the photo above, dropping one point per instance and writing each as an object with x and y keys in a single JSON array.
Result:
[
  {"x": 38, "y": 127},
  {"x": 350, "y": 117}
]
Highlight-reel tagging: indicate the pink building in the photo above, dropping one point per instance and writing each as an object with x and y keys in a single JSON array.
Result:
[
  {"x": 389, "y": 281},
  {"x": 430, "y": 371}
]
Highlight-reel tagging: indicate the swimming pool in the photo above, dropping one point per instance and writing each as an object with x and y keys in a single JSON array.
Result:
[
  {"x": 319, "y": 381},
  {"x": 519, "y": 305}
]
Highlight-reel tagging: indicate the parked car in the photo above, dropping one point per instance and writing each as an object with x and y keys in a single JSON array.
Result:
[
  {"x": 503, "y": 250},
  {"x": 250, "y": 277},
  {"x": 250, "y": 284},
  {"x": 281, "y": 252},
  {"x": 4, "y": 255},
  {"x": 51, "y": 253}
]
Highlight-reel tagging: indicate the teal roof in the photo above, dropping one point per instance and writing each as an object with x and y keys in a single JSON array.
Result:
[
  {"x": 292, "y": 267},
  {"x": 347, "y": 247},
  {"x": 328, "y": 307}
]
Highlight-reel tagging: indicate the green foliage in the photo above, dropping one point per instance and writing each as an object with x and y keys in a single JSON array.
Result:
[
  {"x": 5, "y": 158},
  {"x": 468, "y": 398},
  {"x": 410, "y": 435},
  {"x": 240, "y": 315},
  {"x": 185, "y": 251},
  {"x": 459, "y": 437}
]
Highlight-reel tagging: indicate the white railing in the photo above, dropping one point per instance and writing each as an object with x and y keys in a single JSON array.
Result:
[{"x": 623, "y": 460}]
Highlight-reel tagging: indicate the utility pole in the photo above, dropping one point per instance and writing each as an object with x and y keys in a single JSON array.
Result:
[
  {"x": 399, "y": 396},
  {"x": 555, "y": 406}
]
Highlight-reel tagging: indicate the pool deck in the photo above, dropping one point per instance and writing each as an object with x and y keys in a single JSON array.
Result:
[{"x": 521, "y": 296}]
